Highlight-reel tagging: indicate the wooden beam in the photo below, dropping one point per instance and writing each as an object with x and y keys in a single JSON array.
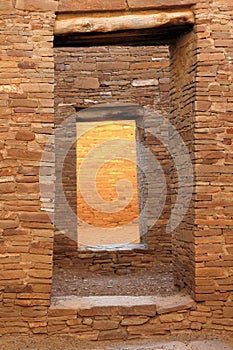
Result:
[
  {"x": 76, "y": 24},
  {"x": 110, "y": 113}
]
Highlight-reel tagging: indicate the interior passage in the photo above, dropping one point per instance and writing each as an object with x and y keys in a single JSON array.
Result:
[{"x": 107, "y": 195}]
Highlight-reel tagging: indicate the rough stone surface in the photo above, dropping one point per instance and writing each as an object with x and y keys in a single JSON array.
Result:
[
  {"x": 36, "y": 5},
  {"x": 137, "y": 4},
  {"x": 201, "y": 100},
  {"x": 89, "y": 5}
]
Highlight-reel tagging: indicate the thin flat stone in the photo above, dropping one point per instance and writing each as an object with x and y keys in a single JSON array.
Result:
[
  {"x": 174, "y": 303},
  {"x": 71, "y": 302}
]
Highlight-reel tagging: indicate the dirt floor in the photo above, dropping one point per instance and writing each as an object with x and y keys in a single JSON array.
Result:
[
  {"x": 71, "y": 343},
  {"x": 72, "y": 281}
]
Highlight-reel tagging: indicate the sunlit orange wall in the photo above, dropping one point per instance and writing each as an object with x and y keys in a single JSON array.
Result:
[{"x": 91, "y": 136}]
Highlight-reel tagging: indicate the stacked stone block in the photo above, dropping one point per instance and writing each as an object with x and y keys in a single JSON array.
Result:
[{"x": 26, "y": 103}]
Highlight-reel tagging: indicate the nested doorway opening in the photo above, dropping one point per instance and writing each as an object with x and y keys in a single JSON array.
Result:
[
  {"x": 103, "y": 75},
  {"x": 136, "y": 73},
  {"x": 129, "y": 75}
]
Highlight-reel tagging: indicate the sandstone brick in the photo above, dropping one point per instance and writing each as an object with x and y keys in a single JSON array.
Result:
[
  {"x": 36, "y": 217},
  {"x": 211, "y": 57},
  {"x": 41, "y": 324},
  {"x": 37, "y": 258},
  {"x": 6, "y": 6},
  {"x": 176, "y": 303},
  {"x": 40, "y": 274},
  {"x": 37, "y": 87},
  {"x": 27, "y": 187},
  {"x": 202, "y": 105},
  {"x": 25, "y": 136},
  {"x": 137, "y": 4},
  {"x": 212, "y": 272},
  {"x": 27, "y": 65},
  {"x": 23, "y": 104},
  {"x": 8, "y": 224},
  {"x": 149, "y": 65},
  {"x": 140, "y": 310},
  {"x": 32, "y": 295},
  {"x": 39, "y": 118},
  {"x": 103, "y": 5},
  {"x": 36, "y": 5},
  {"x": 105, "y": 324},
  {"x": 148, "y": 330},
  {"x": 37, "y": 225},
  {"x": 12, "y": 275},
  {"x": 227, "y": 322},
  {"x": 77, "y": 323},
  {"x": 116, "y": 334},
  {"x": 170, "y": 318},
  {"x": 228, "y": 312},
  {"x": 7, "y": 187},
  {"x": 134, "y": 321},
  {"x": 199, "y": 319},
  {"x": 180, "y": 326},
  {"x": 209, "y": 248},
  {"x": 21, "y": 154},
  {"x": 61, "y": 312},
  {"x": 87, "y": 83},
  {"x": 56, "y": 329},
  {"x": 205, "y": 289},
  {"x": 88, "y": 321},
  {"x": 196, "y": 326},
  {"x": 41, "y": 288}
]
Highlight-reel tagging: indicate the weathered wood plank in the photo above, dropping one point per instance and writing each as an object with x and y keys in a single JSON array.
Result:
[
  {"x": 110, "y": 112},
  {"x": 66, "y": 25}
]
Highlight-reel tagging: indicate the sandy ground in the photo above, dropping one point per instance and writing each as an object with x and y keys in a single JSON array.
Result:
[
  {"x": 69, "y": 343},
  {"x": 73, "y": 281}
]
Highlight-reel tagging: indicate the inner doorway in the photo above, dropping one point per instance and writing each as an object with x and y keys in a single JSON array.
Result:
[
  {"x": 86, "y": 77},
  {"x": 107, "y": 188},
  {"x": 89, "y": 76}
]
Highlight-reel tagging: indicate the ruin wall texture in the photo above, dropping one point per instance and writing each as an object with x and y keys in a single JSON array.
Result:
[{"x": 204, "y": 260}]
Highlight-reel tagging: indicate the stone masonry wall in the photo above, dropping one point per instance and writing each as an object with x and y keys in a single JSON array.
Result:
[
  {"x": 26, "y": 105},
  {"x": 209, "y": 241},
  {"x": 126, "y": 318},
  {"x": 213, "y": 160},
  {"x": 183, "y": 66},
  {"x": 26, "y": 118}
]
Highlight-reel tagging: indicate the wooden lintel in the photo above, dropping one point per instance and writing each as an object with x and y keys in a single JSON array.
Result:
[
  {"x": 100, "y": 24},
  {"x": 110, "y": 113}
]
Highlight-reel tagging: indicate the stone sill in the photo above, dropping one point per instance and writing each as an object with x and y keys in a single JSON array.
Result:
[
  {"x": 123, "y": 305},
  {"x": 112, "y": 247}
]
